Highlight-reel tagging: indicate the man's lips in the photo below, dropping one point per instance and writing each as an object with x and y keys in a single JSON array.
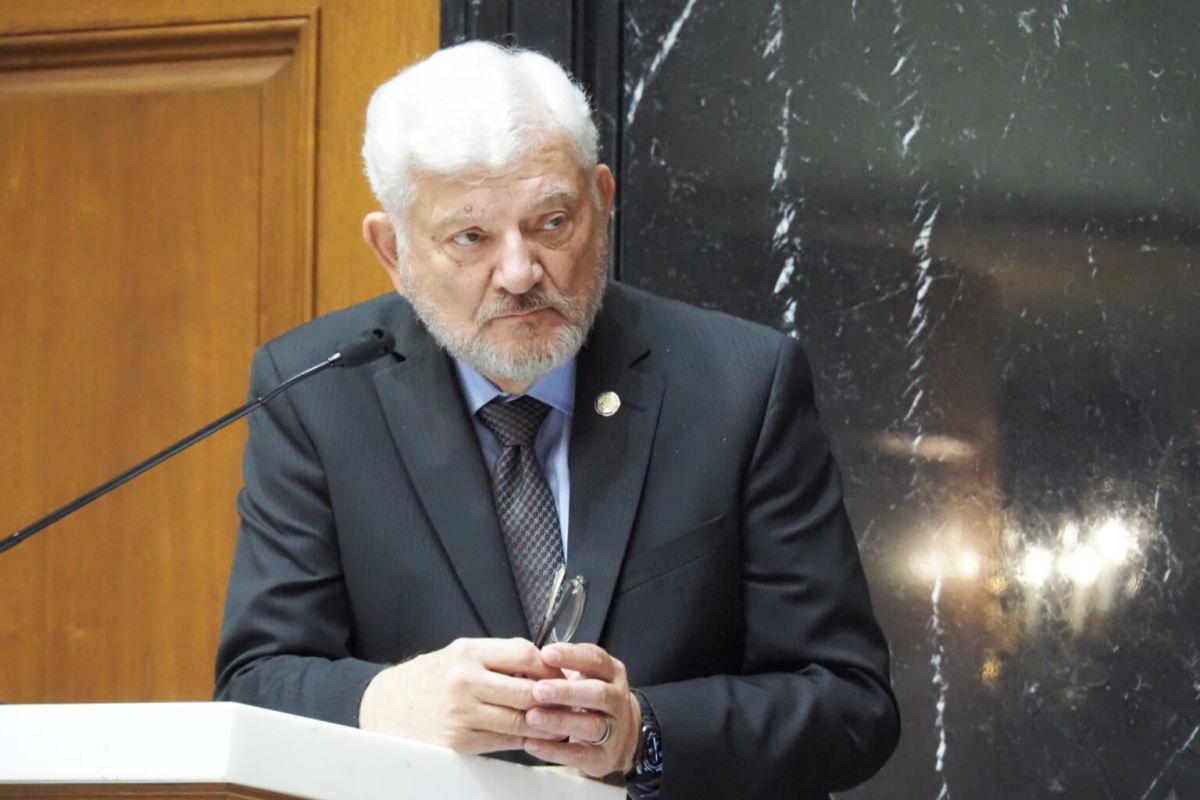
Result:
[{"x": 521, "y": 314}]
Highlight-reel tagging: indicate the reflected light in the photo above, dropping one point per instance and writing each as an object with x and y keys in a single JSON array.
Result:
[
  {"x": 927, "y": 566},
  {"x": 1091, "y": 554},
  {"x": 1113, "y": 541},
  {"x": 1070, "y": 535},
  {"x": 1036, "y": 566},
  {"x": 1082, "y": 565},
  {"x": 930, "y": 447},
  {"x": 990, "y": 670},
  {"x": 962, "y": 563},
  {"x": 966, "y": 563}
]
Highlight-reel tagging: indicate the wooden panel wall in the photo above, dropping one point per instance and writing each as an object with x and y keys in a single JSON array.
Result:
[{"x": 175, "y": 187}]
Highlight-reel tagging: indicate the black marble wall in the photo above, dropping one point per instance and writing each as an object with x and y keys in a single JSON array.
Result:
[{"x": 983, "y": 221}]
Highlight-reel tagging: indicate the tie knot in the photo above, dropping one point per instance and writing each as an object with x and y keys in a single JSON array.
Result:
[{"x": 515, "y": 423}]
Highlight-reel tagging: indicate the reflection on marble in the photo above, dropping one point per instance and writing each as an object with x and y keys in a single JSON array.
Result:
[{"x": 982, "y": 221}]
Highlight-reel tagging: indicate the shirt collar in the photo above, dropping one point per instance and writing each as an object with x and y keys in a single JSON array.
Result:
[{"x": 556, "y": 388}]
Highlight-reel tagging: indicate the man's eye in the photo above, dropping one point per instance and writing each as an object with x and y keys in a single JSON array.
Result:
[
  {"x": 466, "y": 238},
  {"x": 554, "y": 223}
]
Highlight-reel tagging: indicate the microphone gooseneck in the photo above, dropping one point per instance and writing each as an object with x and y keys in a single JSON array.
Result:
[{"x": 367, "y": 347}]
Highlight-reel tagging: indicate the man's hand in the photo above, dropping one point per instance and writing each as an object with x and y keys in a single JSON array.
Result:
[
  {"x": 576, "y": 708},
  {"x": 470, "y": 696}
]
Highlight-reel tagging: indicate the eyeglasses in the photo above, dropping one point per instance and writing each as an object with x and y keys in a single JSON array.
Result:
[{"x": 564, "y": 608}]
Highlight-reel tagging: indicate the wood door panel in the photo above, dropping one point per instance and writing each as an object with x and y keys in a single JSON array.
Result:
[
  {"x": 178, "y": 182},
  {"x": 154, "y": 45},
  {"x": 34, "y": 16},
  {"x": 136, "y": 281}
]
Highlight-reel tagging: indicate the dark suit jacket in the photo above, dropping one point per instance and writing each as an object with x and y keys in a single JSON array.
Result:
[{"x": 706, "y": 516}]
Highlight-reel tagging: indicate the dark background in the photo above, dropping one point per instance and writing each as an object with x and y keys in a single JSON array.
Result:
[{"x": 981, "y": 219}]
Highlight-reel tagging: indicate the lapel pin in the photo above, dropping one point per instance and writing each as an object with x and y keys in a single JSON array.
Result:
[{"x": 607, "y": 403}]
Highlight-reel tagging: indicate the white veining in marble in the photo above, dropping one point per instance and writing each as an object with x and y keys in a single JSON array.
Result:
[
  {"x": 1025, "y": 19},
  {"x": 787, "y": 213},
  {"x": 774, "y": 43},
  {"x": 774, "y": 39},
  {"x": 664, "y": 50},
  {"x": 911, "y": 133},
  {"x": 907, "y": 76},
  {"x": 1178, "y": 752},
  {"x": 938, "y": 662},
  {"x": 779, "y": 174},
  {"x": 782, "y": 240},
  {"x": 1060, "y": 17},
  {"x": 905, "y": 72},
  {"x": 918, "y": 320}
]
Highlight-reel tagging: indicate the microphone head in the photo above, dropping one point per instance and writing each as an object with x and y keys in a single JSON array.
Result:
[{"x": 367, "y": 347}]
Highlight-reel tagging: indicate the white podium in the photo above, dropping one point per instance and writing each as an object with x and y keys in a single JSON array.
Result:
[{"x": 227, "y": 750}]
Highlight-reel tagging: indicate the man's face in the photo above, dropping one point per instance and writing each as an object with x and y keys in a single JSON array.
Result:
[{"x": 507, "y": 272}]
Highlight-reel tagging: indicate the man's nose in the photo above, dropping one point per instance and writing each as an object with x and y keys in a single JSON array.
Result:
[{"x": 518, "y": 269}]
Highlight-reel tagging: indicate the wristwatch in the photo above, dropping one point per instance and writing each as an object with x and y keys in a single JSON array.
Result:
[{"x": 644, "y": 779}]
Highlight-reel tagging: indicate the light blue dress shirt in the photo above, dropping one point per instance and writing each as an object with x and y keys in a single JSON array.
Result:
[{"x": 557, "y": 390}]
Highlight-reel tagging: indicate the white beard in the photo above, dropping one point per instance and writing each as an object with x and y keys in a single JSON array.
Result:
[{"x": 519, "y": 361}]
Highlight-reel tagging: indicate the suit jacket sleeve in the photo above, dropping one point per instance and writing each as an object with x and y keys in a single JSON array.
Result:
[
  {"x": 286, "y": 638},
  {"x": 812, "y": 710}
]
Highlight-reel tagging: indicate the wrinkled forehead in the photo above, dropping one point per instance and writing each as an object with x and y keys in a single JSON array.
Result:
[{"x": 543, "y": 177}]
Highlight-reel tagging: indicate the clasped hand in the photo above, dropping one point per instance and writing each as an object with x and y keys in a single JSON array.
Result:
[{"x": 485, "y": 695}]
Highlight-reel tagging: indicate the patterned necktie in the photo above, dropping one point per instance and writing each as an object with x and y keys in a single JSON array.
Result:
[{"x": 528, "y": 516}]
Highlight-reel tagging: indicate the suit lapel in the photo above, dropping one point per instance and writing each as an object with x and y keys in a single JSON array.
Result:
[
  {"x": 608, "y": 457},
  {"x": 434, "y": 435}
]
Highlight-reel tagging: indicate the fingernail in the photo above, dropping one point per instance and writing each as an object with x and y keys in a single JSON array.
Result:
[
  {"x": 543, "y": 694},
  {"x": 537, "y": 718},
  {"x": 551, "y": 656},
  {"x": 532, "y": 745}
]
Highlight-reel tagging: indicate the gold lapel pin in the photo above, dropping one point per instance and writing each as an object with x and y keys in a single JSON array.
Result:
[{"x": 607, "y": 403}]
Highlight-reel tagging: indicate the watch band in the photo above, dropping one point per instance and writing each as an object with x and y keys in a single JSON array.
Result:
[{"x": 644, "y": 778}]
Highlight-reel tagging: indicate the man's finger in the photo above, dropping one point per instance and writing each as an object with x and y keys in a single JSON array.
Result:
[
  {"x": 505, "y": 722},
  {"x": 513, "y": 657},
  {"x": 589, "y": 760},
  {"x": 582, "y": 726},
  {"x": 588, "y": 659},
  {"x": 591, "y": 694},
  {"x": 499, "y": 689}
]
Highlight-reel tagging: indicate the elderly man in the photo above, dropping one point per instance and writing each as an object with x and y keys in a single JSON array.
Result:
[{"x": 402, "y": 521}]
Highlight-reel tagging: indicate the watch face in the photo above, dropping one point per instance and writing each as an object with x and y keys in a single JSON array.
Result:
[{"x": 652, "y": 759}]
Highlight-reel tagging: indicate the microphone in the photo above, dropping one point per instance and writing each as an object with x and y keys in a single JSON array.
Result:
[
  {"x": 369, "y": 346},
  {"x": 364, "y": 349}
]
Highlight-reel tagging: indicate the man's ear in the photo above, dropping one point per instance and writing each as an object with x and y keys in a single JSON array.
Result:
[
  {"x": 380, "y": 237},
  {"x": 607, "y": 185}
]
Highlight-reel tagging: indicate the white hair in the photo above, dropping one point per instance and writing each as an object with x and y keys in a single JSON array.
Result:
[{"x": 474, "y": 109}]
